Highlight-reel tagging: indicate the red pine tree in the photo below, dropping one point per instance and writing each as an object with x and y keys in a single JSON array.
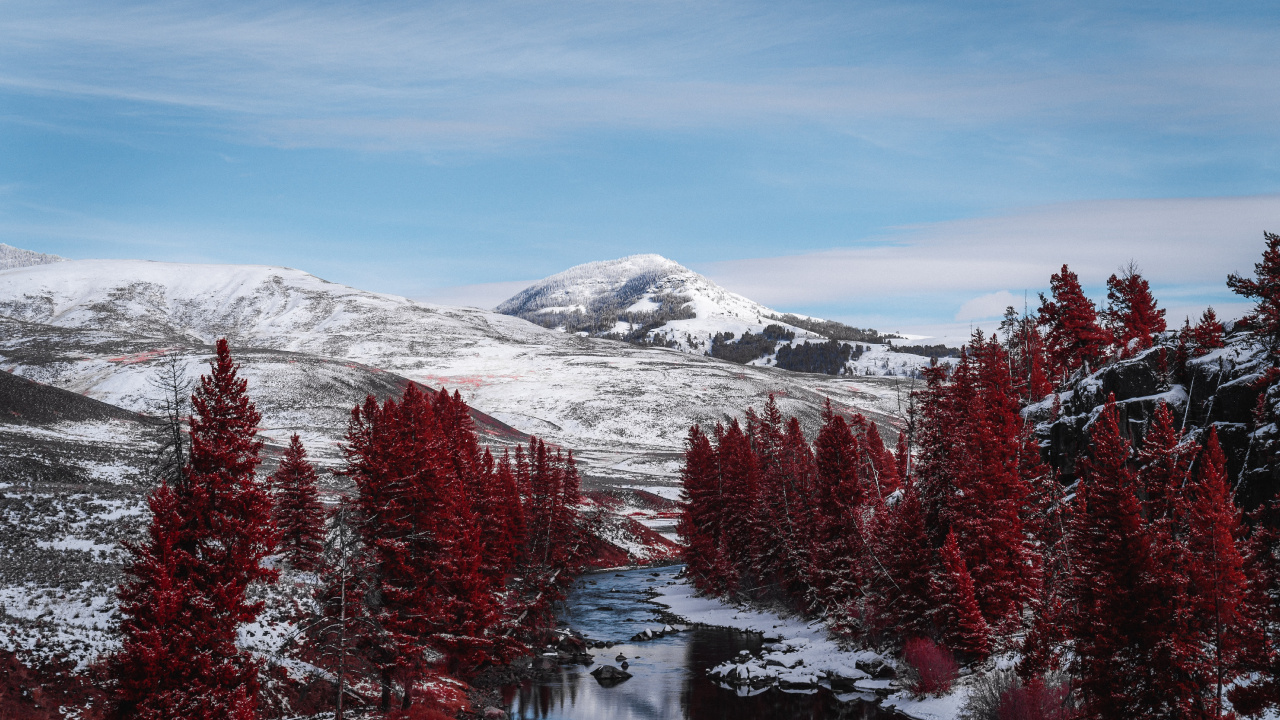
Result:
[
  {"x": 700, "y": 522},
  {"x": 839, "y": 495},
  {"x": 900, "y": 587},
  {"x": 1217, "y": 581},
  {"x": 964, "y": 631},
  {"x": 1261, "y": 642},
  {"x": 1108, "y": 591},
  {"x": 1206, "y": 336},
  {"x": 1073, "y": 336},
  {"x": 185, "y": 595},
  {"x": 1131, "y": 315},
  {"x": 299, "y": 517},
  {"x": 1264, "y": 289}
]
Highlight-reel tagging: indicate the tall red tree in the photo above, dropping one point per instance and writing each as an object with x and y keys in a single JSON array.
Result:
[
  {"x": 1264, "y": 289},
  {"x": 299, "y": 517},
  {"x": 185, "y": 592},
  {"x": 964, "y": 631},
  {"x": 1109, "y": 590},
  {"x": 1131, "y": 315},
  {"x": 1218, "y": 585},
  {"x": 1073, "y": 337}
]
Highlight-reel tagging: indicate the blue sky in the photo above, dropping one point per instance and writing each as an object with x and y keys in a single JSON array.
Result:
[{"x": 906, "y": 166}]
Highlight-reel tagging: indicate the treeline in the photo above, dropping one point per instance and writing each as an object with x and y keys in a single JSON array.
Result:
[
  {"x": 445, "y": 557},
  {"x": 931, "y": 351},
  {"x": 828, "y": 357},
  {"x": 1139, "y": 590},
  {"x": 749, "y": 347},
  {"x": 833, "y": 330}
]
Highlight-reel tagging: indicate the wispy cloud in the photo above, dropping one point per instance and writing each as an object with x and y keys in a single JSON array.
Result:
[
  {"x": 423, "y": 76},
  {"x": 1185, "y": 247}
]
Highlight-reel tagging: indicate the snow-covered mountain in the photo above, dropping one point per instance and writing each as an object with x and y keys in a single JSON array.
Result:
[
  {"x": 640, "y": 297},
  {"x": 651, "y": 300},
  {"x": 626, "y": 408},
  {"x": 12, "y": 257}
]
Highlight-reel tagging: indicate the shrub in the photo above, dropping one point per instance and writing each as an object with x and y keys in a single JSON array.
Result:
[
  {"x": 932, "y": 668},
  {"x": 1034, "y": 702},
  {"x": 1000, "y": 695}
]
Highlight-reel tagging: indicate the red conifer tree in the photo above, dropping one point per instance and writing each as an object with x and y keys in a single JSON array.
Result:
[
  {"x": 1073, "y": 337},
  {"x": 417, "y": 520},
  {"x": 1206, "y": 336},
  {"x": 1131, "y": 315},
  {"x": 701, "y": 521},
  {"x": 964, "y": 631},
  {"x": 185, "y": 595},
  {"x": 299, "y": 517},
  {"x": 1215, "y": 569},
  {"x": 839, "y": 495},
  {"x": 1264, "y": 289},
  {"x": 1108, "y": 591},
  {"x": 900, "y": 589}
]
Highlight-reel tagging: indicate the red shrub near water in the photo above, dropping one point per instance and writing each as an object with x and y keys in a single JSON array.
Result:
[
  {"x": 1034, "y": 702},
  {"x": 933, "y": 668}
]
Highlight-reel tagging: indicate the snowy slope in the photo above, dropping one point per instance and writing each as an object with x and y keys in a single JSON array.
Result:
[
  {"x": 609, "y": 399},
  {"x": 637, "y": 286}
]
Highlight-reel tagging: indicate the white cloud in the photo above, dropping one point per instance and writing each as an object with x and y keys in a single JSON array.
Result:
[
  {"x": 985, "y": 307},
  {"x": 1185, "y": 247},
  {"x": 475, "y": 75}
]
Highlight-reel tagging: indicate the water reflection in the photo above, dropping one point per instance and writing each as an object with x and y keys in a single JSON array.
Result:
[{"x": 670, "y": 680}]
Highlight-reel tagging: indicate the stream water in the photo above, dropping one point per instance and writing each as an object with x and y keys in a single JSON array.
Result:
[{"x": 670, "y": 680}]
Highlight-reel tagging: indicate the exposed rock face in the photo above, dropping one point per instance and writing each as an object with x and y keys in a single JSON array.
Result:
[{"x": 1221, "y": 389}]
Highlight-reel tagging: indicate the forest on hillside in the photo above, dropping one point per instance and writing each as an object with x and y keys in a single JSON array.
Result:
[{"x": 1136, "y": 580}]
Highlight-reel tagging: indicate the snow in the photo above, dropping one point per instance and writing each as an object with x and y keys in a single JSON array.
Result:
[
  {"x": 582, "y": 393},
  {"x": 802, "y": 652}
]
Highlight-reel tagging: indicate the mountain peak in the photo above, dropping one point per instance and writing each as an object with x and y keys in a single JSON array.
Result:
[{"x": 590, "y": 285}]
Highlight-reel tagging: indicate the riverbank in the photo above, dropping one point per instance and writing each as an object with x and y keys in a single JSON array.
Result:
[{"x": 799, "y": 655}]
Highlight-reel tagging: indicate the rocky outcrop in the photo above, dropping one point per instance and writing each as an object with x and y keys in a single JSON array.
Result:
[{"x": 1221, "y": 389}]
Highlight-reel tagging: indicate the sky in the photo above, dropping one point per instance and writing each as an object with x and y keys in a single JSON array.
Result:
[{"x": 906, "y": 166}]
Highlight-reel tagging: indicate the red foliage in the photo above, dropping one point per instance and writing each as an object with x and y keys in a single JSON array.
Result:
[
  {"x": 1264, "y": 289},
  {"x": 901, "y": 593},
  {"x": 1073, "y": 336},
  {"x": 184, "y": 594},
  {"x": 970, "y": 468},
  {"x": 701, "y": 522},
  {"x": 1131, "y": 315},
  {"x": 932, "y": 667},
  {"x": 964, "y": 630},
  {"x": 1034, "y": 702},
  {"x": 419, "y": 525},
  {"x": 298, "y": 514},
  {"x": 1215, "y": 569}
]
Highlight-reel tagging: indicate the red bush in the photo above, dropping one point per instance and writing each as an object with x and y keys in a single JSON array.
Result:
[
  {"x": 933, "y": 668},
  {"x": 1033, "y": 702}
]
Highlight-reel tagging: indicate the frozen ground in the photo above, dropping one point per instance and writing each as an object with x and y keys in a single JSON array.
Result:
[{"x": 800, "y": 653}]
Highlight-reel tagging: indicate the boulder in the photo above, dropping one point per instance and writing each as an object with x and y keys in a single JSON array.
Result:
[{"x": 608, "y": 675}]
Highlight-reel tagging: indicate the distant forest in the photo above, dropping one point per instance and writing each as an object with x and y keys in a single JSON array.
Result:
[
  {"x": 933, "y": 351},
  {"x": 828, "y": 357},
  {"x": 833, "y": 330}
]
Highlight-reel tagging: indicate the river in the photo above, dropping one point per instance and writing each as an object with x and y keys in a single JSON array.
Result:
[{"x": 670, "y": 680}]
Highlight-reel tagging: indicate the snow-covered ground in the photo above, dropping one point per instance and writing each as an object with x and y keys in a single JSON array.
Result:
[
  {"x": 803, "y": 654},
  {"x": 111, "y": 321}
]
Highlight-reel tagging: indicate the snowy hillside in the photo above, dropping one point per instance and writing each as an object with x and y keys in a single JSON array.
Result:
[
  {"x": 650, "y": 300},
  {"x": 646, "y": 294},
  {"x": 12, "y": 257},
  {"x": 625, "y": 408}
]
